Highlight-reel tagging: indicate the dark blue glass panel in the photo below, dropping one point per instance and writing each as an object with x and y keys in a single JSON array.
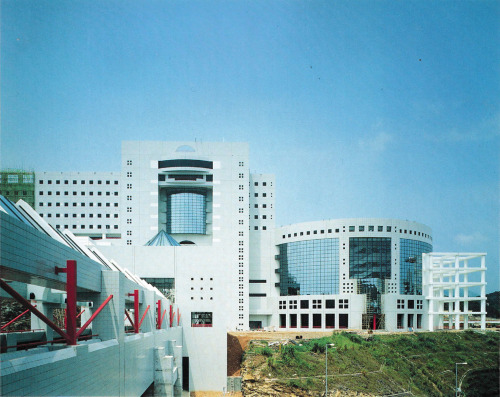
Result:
[
  {"x": 410, "y": 264},
  {"x": 309, "y": 267}
]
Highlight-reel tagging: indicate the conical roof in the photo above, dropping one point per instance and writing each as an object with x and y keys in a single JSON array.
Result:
[{"x": 162, "y": 239}]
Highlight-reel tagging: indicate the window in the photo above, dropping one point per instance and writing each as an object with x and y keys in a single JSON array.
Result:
[
  {"x": 241, "y": 176},
  {"x": 256, "y": 216},
  {"x": 129, "y": 186},
  {"x": 316, "y": 304},
  {"x": 28, "y": 179},
  {"x": 304, "y": 304},
  {"x": 240, "y": 222},
  {"x": 201, "y": 319},
  {"x": 12, "y": 179},
  {"x": 264, "y": 184},
  {"x": 129, "y": 175},
  {"x": 108, "y": 182},
  {"x": 420, "y": 304},
  {"x": 351, "y": 228},
  {"x": 380, "y": 228},
  {"x": 264, "y": 194},
  {"x": 241, "y": 187},
  {"x": 343, "y": 303},
  {"x": 292, "y": 304},
  {"x": 361, "y": 228},
  {"x": 240, "y": 210},
  {"x": 330, "y": 304},
  {"x": 400, "y": 304},
  {"x": 371, "y": 228},
  {"x": 388, "y": 228},
  {"x": 129, "y": 162},
  {"x": 129, "y": 221},
  {"x": 129, "y": 209},
  {"x": 256, "y": 195}
]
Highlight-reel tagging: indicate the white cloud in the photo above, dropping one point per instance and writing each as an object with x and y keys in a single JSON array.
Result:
[
  {"x": 473, "y": 238},
  {"x": 377, "y": 143}
]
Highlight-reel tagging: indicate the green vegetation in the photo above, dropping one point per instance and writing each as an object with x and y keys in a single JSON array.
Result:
[{"x": 382, "y": 364}]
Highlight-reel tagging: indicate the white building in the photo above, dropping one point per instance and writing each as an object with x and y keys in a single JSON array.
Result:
[{"x": 216, "y": 241}]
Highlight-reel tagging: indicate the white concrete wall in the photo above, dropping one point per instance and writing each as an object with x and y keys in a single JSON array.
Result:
[
  {"x": 91, "y": 206},
  {"x": 89, "y": 369}
]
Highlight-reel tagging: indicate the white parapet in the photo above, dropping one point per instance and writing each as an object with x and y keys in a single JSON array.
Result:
[{"x": 446, "y": 279}]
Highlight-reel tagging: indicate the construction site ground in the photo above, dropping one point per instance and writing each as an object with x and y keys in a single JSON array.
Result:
[{"x": 237, "y": 342}]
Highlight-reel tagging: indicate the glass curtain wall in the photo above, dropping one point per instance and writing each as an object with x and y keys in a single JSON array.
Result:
[
  {"x": 370, "y": 263},
  {"x": 410, "y": 264},
  {"x": 309, "y": 267},
  {"x": 186, "y": 211}
]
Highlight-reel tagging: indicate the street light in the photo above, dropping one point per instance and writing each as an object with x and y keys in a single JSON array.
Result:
[
  {"x": 326, "y": 367},
  {"x": 456, "y": 378}
]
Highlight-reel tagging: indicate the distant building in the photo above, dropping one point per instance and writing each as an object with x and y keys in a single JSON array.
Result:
[{"x": 18, "y": 184}]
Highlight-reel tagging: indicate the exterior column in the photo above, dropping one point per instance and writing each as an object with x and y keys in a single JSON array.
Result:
[{"x": 483, "y": 292}]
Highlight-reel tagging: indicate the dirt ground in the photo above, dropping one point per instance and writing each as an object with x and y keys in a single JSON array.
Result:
[{"x": 237, "y": 342}]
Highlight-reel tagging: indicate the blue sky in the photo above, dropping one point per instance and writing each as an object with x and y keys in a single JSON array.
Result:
[{"x": 360, "y": 108}]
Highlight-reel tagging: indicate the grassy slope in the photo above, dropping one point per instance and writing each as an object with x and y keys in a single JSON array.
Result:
[{"x": 380, "y": 365}]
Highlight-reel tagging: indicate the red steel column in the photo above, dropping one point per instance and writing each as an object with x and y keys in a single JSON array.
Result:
[
  {"x": 136, "y": 311},
  {"x": 70, "y": 300},
  {"x": 158, "y": 315},
  {"x": 374, "y": 322}
]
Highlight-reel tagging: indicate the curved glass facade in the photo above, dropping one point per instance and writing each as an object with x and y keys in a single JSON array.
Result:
[
  {"x": 309, "y": 267},
  {"x": 186, "y": 211},
  {"x": 370, "y": 263},
  {"x": 410, "y": 264}
]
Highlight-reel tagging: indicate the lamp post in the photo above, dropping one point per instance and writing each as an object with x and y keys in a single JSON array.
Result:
[
  {"x": 456, "y": 377},
  {"x": 326, "y": 367}
]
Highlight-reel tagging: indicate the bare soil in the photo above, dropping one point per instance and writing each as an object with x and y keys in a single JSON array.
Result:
[{"x": 237, "y": 343}]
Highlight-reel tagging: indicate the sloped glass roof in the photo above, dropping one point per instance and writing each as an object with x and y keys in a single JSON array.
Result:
[{"x": 162, "y": 239}]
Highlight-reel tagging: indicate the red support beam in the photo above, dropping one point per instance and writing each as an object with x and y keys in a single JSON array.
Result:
[
  {"x": 27, "y": 305},
  {"x": 13, "y": 320},
  {"x": 142, "y": 319},
  {"x": 70, "y": 271},
  {"x": 136, "y": 310},
  {"x": 84, "y": 326},
  {"x": 162, "y": 317},
  {"x": 129, "y": 319},
  {"x": 374, "y": 322},
  {"x": 178, "y": 317},
  {"x": 171, "y": 316},
  {"x": 158, "y": 314},
  {"x": 79, "y": 314}
]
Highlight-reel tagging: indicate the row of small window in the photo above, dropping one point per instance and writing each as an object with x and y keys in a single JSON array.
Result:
[
  {"x": 81, "y": 215},
  {"x": 41, "y": 204},
  {"x": 315, "y": 304},
  {"x": 263, "y": 183},
  {"x": 263, "y": 195},
  {"x": 262, "y": 217},
  {"x": 90, "y": 227},
  {"x": 15, "y": 178},
  {"x": 360, "y": 228},
  {"x": 75, "y": 182},
  {"x": 257, "y": 228},
  {"x": 410, "y": 304},
  {"x": 14, "y": 192},
  {"x": 82, "y": 193}
]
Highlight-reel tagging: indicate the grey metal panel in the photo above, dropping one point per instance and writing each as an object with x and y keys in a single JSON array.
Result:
[{"x": 30, "y": 256}]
